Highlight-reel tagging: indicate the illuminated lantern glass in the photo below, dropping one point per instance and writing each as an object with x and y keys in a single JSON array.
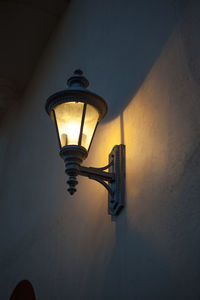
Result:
[
  {"x": 76, "y": 112},
  {"x": 76, "y": 123}
]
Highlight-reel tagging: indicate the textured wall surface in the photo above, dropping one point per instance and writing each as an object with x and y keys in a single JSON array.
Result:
[{"x": 143, "y": 58}]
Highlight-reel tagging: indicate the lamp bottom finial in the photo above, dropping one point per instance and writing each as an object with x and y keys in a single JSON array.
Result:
[{"x": 72, "y": 182}]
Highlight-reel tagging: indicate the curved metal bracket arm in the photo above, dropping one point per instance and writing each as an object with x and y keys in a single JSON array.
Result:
[
  {"x": 115, "y": 178},
  {"x": 99, "y": 175},
  {"x": 110, "y": 191},
  {"x": 106, "y": 167}
]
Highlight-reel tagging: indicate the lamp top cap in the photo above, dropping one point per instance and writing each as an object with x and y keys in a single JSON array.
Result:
[{"x": 78, "y": 80}]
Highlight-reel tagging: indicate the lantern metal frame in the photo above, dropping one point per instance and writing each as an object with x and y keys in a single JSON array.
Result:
[{"x": 73, "y": 155}]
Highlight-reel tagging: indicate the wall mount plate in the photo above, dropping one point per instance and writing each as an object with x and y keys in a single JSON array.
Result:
[{"x": 117, "y": 201}]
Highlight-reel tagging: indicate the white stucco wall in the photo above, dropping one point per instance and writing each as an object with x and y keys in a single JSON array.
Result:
[{"x": 143, "y": 58}]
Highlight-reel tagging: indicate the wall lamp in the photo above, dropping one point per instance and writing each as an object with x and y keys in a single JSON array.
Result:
[{"x": 76, "y": 112}]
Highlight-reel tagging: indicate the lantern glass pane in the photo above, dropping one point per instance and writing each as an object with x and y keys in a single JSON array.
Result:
[
  {"x": 91, "y": 119},
  {"x": 68, "y": 117}
]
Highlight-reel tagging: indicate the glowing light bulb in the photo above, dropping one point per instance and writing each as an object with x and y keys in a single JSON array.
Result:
[
  {"x": 69, "y": 118},
  {"x": 70, "y": 135},
  {"x": 72, "y": 131}
]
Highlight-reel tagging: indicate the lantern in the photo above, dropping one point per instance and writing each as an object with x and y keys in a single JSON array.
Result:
[{"x": 76, "y": 112}]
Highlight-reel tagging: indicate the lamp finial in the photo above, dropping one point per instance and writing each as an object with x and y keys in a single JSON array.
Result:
[{"x": 78, "y": 80}]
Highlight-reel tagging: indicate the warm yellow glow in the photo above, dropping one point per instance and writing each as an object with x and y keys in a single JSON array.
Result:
[
  {"x": 91, "y": 118},
  {"x": 69, "y": 117},
  {"x": 71, "y": 132}
]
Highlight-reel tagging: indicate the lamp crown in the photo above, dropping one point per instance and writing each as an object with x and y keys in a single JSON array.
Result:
[{"x": 78, "y": 80}]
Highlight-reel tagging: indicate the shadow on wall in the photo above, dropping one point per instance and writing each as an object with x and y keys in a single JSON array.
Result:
[
  {"x": 159, "y": 269},
  {"x": 129, "y": 49},
  {"x": 145, "y": 275},
  {"x": 156, "y": 249}
]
